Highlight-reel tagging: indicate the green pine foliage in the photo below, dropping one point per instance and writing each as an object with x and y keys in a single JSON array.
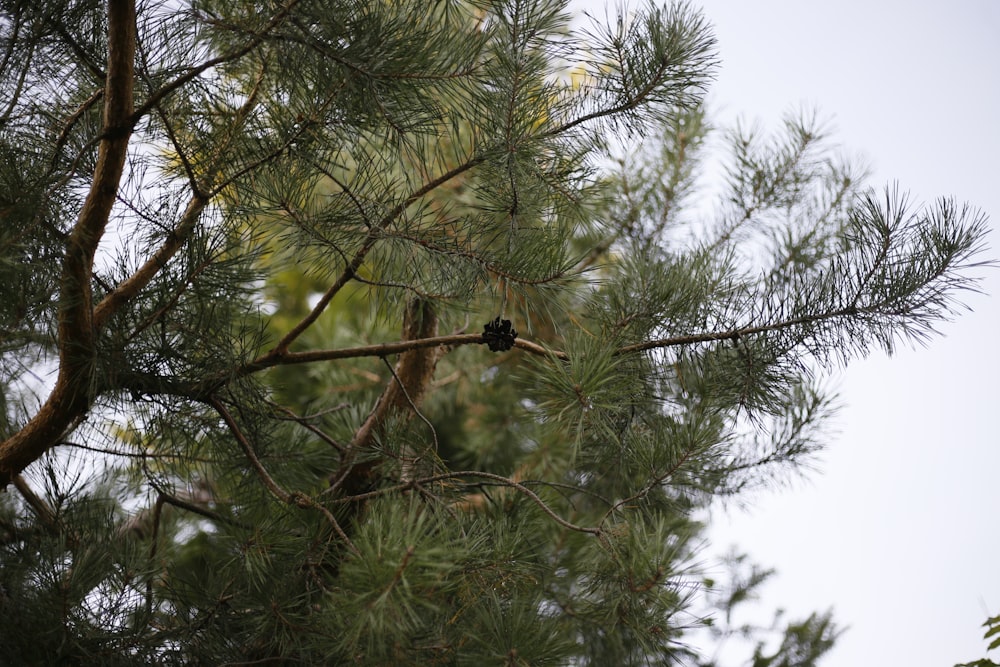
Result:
[{"x": 250, "y": 251}]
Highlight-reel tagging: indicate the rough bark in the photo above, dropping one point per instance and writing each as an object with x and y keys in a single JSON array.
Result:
[{"x": 402, "y": 395}]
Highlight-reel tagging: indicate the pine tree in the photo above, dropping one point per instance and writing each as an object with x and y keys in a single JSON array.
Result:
[{"x": 340, "y": 331}]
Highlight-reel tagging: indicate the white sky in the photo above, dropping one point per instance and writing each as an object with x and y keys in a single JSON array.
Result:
[{"x": 898, "y": 531}]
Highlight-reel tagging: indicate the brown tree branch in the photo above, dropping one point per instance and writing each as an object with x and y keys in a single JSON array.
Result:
[
  {"x": 735, "y": 334},
  {"x": 146, "y": 384},
  {"x": 377, "y": 350},
  {"x": 70, "y": 122},
  {"x": 303, "y": 421},
  {"x": 255, "y": 40},
  {"x": 499, "y": 479},
  {"x": 38, "y": 505},
  {"x": 296, "y": 498},
  {"x": 72, "y": 394},
  {"x": 131, "y": 286},
  {"x": 281, "y": 348},
  {"x": 199, "y": 201},
  {"x": 403, "y": 394}
]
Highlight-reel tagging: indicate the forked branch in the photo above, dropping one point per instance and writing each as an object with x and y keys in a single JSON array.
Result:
[
  {"x": 73, "y": 392},
  {"x": 296, "y": 498}
]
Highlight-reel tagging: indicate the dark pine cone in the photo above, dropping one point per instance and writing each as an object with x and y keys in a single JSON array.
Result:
[{"x": 499, "y": 335}]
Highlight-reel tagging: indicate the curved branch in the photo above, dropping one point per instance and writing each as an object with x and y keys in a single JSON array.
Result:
[
  {"x": 384, "y": 349},
  {"x": 175, "y": 240},
  {"x": 377, "y": 350},
  {"x": 280, "y": 350},
  {"x": 72, "y": 395},
  {"x": 656, "y": 481},
  {"x": 255, "y": 40},
  {"x": 179, "y": 235},
  {"x": 500, "y": 479},
  {"x": 296, "y": 498},
  {"x": 38, "y": 505}
]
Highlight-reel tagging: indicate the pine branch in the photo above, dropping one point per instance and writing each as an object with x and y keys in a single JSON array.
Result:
[
  {"x": 100, "y": 76},
  {"x": 654, "y": 482},
  {"x": 38, "y": 505},
  {"x": 141, "y": 455},
  {"x": 256, "y": 39},
  {"x": 473, "y": 256},
  {"x": 70, "y": 123},
  {"x": 303, "y": 421},
  {"x": 72, "y": 394},
  {"x": 176, "y": 239},
  {"x": 202, "y": 194},
  {"x": 477, "y": 474},
  {"x": 736, "y": 334},
  {"x": 280, "y": 350},
  {"x": 357, "y": 68},
  {"x": 454, "y": 340},
  {"x": 154, "y": 541},
  {"x": 296, "y": 498},
  {"x": 11, "y": 43},
  {"x": 413, "y": 406}
]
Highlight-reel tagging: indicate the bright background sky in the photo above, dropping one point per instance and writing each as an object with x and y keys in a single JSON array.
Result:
[{"x": 898, "y": 529}]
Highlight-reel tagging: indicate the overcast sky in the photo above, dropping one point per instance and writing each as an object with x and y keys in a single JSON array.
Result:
[{"x": 898, "y": 530}]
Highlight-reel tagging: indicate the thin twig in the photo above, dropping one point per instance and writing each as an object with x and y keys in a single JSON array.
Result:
[
  {"x": 659, "y": 479},
  {"x": 255, "y": 40},
  {"x": 503, "y": 481},
  {"x": 304, "y": 423},
  {"x": 413, "y": 406},
  {"x": 281, "y": 348},
  {"x": 153, "y": 541},
  {"x": 135, "y": 455},
  {"x": 189, "y": 506},
  {"x": 296, "y": 498}
]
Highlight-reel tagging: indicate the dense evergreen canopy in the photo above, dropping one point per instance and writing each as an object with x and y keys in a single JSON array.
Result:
[{"x": 345, "y": 331}]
